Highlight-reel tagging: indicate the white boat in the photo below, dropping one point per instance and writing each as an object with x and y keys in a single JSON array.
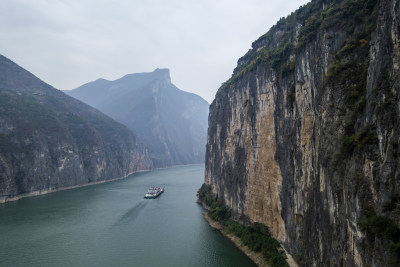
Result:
[{"x": 154, "y": 192}]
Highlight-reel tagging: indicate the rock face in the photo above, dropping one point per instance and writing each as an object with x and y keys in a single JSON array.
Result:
[
  {"x": 305, "y": 135},
  {"x": 170, "y": 122},
  {"x": 49, "y": 141}
]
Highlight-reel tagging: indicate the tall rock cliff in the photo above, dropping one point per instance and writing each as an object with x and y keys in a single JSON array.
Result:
[
  {"x": 305, "y": 135},
  {"x": 50, "y": 141},
  {"x": 170, "y": 122}
]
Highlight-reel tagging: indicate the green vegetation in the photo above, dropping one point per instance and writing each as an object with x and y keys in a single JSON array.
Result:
[
  {"x": 346, "y": 82},
  {"x": 367, "y": 135},
  {"x": 347, "y": 74},
  {"x": 352, "y": 142},
  {"x": 255, "y": 236},
  {"x": 349, "y": 70},
  {"x": 277, "y": 58},
  {"x": 27, "y": 116},
  {"x": 314, "y": 18},
  {"x": 341, "y": 15},
  {"x": 258, "y": 239},
  {"x": 217, "y": 211},
  {"x": 384, "y": 227},
  {"x": 392, "y": 203},
  {"x": 299, "y": 259}
]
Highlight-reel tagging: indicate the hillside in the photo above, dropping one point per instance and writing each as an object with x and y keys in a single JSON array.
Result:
[
  {"x": 49, "y": 141},
  {"x": 170, "y": 122}
]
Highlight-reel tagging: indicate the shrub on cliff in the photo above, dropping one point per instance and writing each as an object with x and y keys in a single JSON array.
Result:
[
  {"x": 256, "y": 236},
  {"x": 384, "y": 227},
  {"x": 204, "y": 194},
  {"x": 217, "y": 211}
]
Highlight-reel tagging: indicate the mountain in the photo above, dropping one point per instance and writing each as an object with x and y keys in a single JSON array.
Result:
[
  {"x": 50, "y": 141},
  {"x": 304, "y": 137},
  {"x": 170, "y": 122}
]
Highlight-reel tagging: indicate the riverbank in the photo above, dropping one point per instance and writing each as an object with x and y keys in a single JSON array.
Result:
[
  {"x": 256, "y": 257},
  {"x": 112, "y": 225},
  {"x": 251, "y": 238},
  {"x": 5, "y": 199}
]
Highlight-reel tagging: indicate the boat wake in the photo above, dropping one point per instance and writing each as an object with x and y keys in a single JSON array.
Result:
[{"x": 132, "y": 213}]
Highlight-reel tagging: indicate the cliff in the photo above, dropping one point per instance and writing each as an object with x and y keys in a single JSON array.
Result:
[
  {"x": 50, "y": 141},
  {"x": 304, "y": 137},
  {"x": 171, "y": 123}
]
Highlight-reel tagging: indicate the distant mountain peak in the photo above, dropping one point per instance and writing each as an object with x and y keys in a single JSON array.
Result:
[
  {"x": 152, "y": 107},
  {"x": 101, "y": 80},
  {"x": 162, "y": 70},
  {"x": 159, "y": 75},
  {"x": 162, "y": 74}
]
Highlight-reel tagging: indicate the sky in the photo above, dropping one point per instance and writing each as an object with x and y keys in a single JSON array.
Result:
[{"x": 67, "y": 43}]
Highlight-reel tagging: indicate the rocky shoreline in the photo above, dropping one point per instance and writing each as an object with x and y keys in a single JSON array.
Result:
[
  {"x": 5, "y": 199},
  {"x": 257, "y": 258}
]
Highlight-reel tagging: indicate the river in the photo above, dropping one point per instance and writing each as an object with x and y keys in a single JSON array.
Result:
[{"x": 111, "y": 224}]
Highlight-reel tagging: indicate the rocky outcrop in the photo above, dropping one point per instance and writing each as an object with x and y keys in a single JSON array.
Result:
[
  {"x": 50, "y": 141},
  {"x": 170, "y": 122},
  {"x": 304, "y": 136}
]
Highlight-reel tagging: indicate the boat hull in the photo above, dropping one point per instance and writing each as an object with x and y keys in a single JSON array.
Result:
[{"x": 154, "y": 195}]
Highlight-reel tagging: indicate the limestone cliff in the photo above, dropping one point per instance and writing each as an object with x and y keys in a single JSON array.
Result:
[
  {"x": 50, "y": 141},
  {"x": 305, "y": 135}
]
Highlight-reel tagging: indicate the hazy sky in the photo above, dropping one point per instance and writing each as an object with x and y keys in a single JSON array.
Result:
[{"x": 67, "y": 43}]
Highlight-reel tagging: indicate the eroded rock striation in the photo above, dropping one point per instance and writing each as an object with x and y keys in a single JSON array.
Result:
[
  {"x": 305, "y": 135},
  {"x": 50, "y": 141}
]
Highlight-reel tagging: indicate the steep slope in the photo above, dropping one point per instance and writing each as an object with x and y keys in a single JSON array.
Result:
[
  {"x": 49, "y": 140},
  {"x": 305, "y": 135},
  {"x": 170, "y": 122}
]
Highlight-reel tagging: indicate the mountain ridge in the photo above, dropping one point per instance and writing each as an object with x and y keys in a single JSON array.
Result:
[
  {"x": 50, "y": 141},
  {"x": 172, "y": 123}
]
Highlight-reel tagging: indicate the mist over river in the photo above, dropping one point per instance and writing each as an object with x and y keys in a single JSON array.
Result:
[{"x": 112, "y": 224}]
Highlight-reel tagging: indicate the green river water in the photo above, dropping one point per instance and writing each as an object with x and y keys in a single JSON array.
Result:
[{"x": 111, "y": 224}]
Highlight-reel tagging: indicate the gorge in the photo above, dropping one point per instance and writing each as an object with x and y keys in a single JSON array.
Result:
[{"x": 51, "y": 141}]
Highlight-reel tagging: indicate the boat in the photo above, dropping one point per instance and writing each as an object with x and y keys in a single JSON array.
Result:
[{"x": 154, "y": 192}]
